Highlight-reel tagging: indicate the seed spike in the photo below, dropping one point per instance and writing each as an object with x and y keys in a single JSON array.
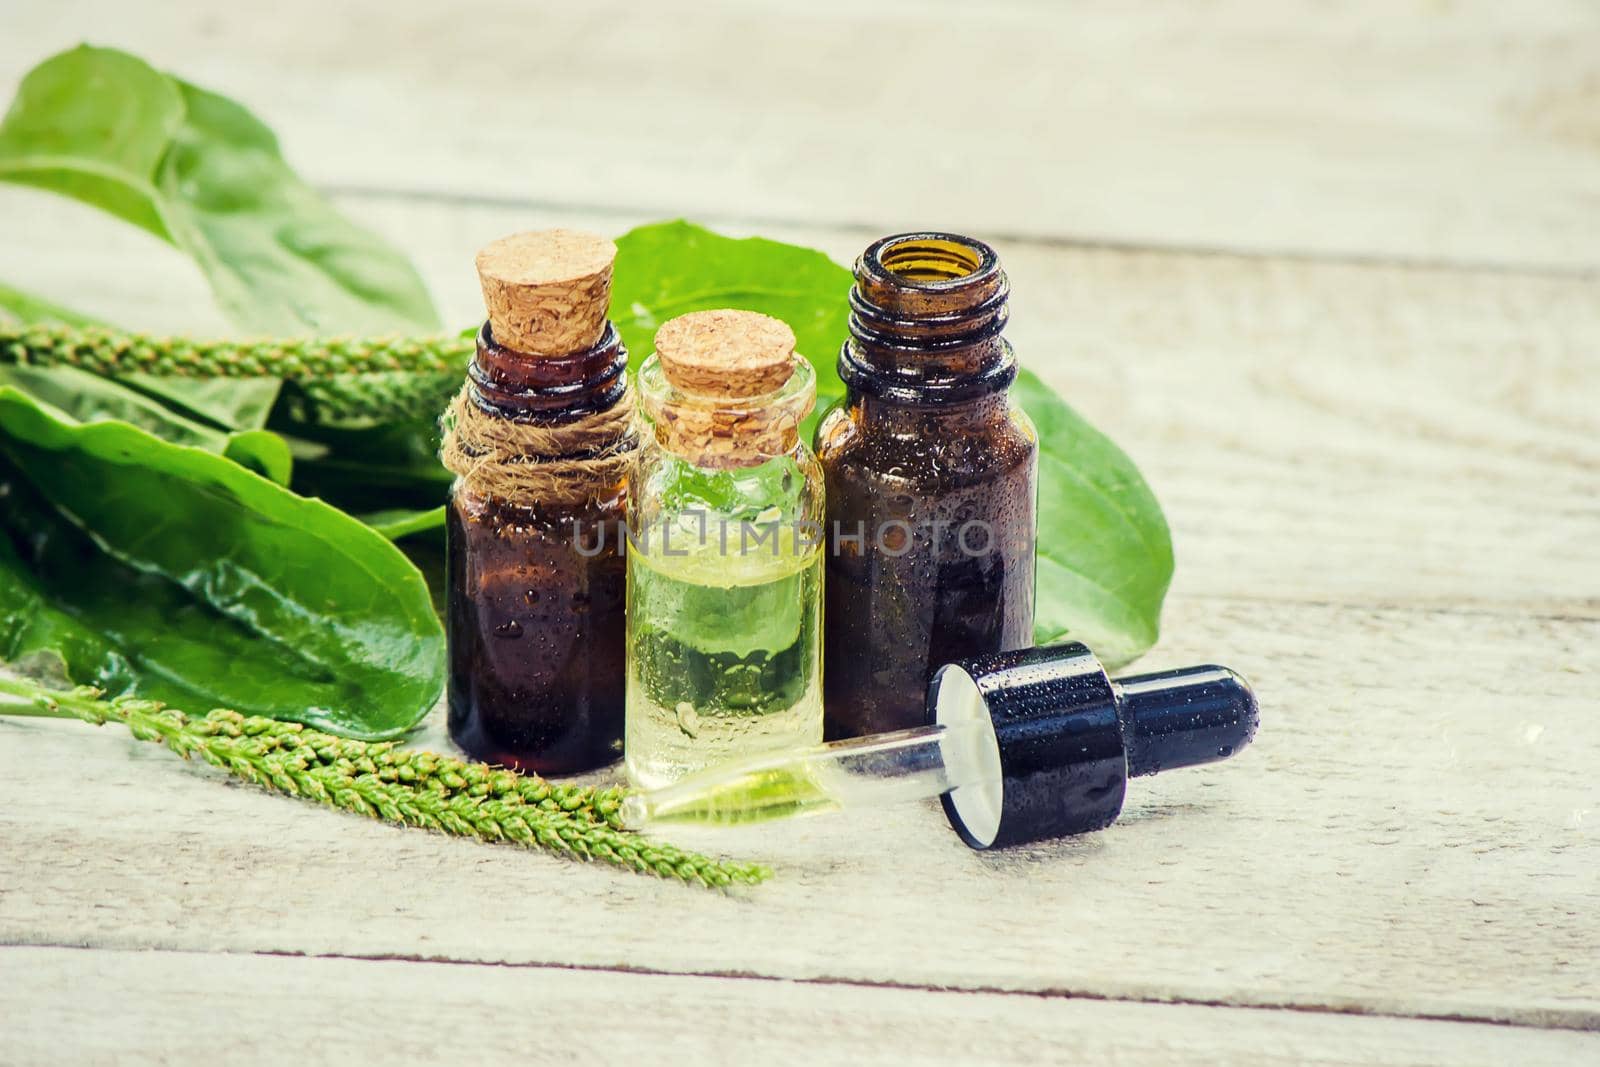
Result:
[
  {"x": 444, "y": 794},
  {"x": 381, "y": 378}
]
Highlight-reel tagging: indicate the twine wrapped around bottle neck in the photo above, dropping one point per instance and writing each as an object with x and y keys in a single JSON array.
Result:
[
  {"x": 546, "y": 293},
  {"x": 528, "y": 464}
]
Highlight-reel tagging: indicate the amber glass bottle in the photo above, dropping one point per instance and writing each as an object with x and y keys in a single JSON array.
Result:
[
  {"x": 536, "y": 576},
  {"x": 931, "y": 474}
]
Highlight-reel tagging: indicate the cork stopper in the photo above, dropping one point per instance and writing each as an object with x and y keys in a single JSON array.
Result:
[
  {"x": 725, "y": 388},
  {"x": 547, "y": 291},
  {"x": 726, "y": 353}
]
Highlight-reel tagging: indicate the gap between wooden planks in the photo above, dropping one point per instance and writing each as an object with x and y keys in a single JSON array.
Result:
[
  {"x": 1407, "y": 837},
  {"x": 279, "y": 1008},
  {"x": 1327, "y": 432},
  {"x": 1459, "y": 132},
  {"x": 1329, "y": 437}
]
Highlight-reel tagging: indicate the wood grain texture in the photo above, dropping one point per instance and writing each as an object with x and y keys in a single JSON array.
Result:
[
  {"x": 1327, "y": 432},
  {"x": 1412, "y": 834},
  {"x": 1383, "y": 481},
  {"x": 1463, "y": 131},
  {"x": 119, "y": 1008},
  {"x": 1345, "y": 452}
]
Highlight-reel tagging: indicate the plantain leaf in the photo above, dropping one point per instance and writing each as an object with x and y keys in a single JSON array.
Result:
[
  {"x": 227, "y": 403},
  {"x": 168, "y": 571},
  {"x": 201, "y": 172},
  {"x": 86, "y": 397},
  {"x": 18, "y": 306},
  {"x": 1104, "y": 551},
  {"x": 671, "y": 268},
  {"x": 153, "y": 404},
  {"x": 397, "y": 523}
]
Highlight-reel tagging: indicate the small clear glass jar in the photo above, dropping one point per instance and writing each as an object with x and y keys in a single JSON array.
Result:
[{"x": 725, "y": 514}]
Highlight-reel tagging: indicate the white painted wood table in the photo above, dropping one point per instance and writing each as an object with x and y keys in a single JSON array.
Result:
[{"x": 1328, "y": 275}]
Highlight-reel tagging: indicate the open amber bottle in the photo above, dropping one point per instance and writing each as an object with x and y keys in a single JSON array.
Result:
[
  {"x": 541, "y": 442},
  {"x": 931, "y": 473}
]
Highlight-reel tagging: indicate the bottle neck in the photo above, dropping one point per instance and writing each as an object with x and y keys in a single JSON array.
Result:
[
  {"x": 921, "y": 419},
  {"x": 548, "y": 389},
  {"x": 926, "y": 317},
  {"x": 723, "y": 432}
]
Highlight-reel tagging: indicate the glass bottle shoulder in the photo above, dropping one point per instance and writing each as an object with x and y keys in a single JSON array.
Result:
[
  {"x": 788, "y": 486},
  {"x": 487, "y": 511},
  {"x": 928, "y": 445}
]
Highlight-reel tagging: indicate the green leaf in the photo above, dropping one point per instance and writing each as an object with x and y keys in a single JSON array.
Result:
[
  {"x": 201, "y": 172},
  {"x": 395, "y": 523},
  {"x": 671, "y": 268},
  {"x": 18, "y": 306},
  {"x": 171, "y": 572},
  {"x": 228, "y": 403},
  {"x": 1104, "y": 551},
  {"x": 263, "y": 452},
  {"x": 152, "y": 403},
  {"x": 94, "y": 124},
  {"x": 85, "y": 397},
  {"x": 379, "y": 469}
]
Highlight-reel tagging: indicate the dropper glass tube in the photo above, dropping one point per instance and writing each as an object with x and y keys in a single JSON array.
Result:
[
  {"x": 1023, "y": 746},
  {"x": 882, "y": 769}
]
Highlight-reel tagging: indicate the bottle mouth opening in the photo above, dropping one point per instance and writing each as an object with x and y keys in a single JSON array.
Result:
[
  {"x": 932, "y": 260},
  {"x": 917, "y": 287}
]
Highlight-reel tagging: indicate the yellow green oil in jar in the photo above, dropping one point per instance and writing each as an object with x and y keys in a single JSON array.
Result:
[
  {"x": 724, "y": 658},
  {"x": 724, "y": 596}
]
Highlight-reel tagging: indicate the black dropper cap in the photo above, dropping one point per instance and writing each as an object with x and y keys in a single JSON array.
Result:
[{"x": 1067, "y": 737}]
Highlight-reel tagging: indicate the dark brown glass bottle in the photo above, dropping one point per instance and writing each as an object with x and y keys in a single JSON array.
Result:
[
  {"x": 537, "y": 587},
  {"x": 931, "y": 473}
]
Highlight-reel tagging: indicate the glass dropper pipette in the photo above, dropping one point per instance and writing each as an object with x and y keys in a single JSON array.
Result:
[
  {"x": 1024, "y": 745},
  {"x": 881, "y": 769}
]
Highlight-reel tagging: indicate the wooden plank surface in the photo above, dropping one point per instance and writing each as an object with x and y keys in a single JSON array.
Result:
[
  {"x": 273, "y": 1009},
  {"x": 1319, "y": 882},
  {"x": 1383, "y": 480},
  {"x": 1397, "y": 841},
  {"x": 1360, "y": 434},
  {"x": 1464, "y": 131}
]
